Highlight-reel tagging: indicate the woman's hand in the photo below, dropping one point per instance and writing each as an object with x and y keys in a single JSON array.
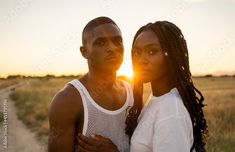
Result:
[{"x": 95, "y": 143}]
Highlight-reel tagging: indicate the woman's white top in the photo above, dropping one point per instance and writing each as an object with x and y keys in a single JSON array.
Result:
[{"x": 164, "y": 125}]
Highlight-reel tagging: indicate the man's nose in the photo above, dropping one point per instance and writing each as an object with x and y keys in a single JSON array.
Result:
[{"x": 111, "y": 47}]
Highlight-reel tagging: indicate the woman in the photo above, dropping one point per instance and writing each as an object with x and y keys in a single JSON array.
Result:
[{"x": 173, "y": 120}]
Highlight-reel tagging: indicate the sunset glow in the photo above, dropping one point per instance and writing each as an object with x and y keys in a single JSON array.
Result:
[
  {"x": 126, "y": 72},
  {"x": 43, "y": 37}
]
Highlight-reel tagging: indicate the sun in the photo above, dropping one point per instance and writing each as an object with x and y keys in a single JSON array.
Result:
[{"x": 126, "y": 71}]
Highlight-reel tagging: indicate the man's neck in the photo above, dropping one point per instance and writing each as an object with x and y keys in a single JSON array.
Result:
[{"x": 106, "y": 79}]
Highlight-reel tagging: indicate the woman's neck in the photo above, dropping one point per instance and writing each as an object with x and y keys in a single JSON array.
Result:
[{"x": 162, "y": 86}]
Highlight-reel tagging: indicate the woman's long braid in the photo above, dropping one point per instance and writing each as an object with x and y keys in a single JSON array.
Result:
[{"x": 174, "y": 44}]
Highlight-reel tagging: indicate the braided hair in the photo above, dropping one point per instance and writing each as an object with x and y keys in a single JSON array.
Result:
[{"x": 174, "y": 47}]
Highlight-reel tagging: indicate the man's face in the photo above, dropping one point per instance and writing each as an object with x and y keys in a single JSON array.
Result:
[{"x": 104, "y": 47}]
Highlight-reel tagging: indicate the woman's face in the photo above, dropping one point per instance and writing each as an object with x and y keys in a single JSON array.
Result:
[{"x": 148, "y": 57}]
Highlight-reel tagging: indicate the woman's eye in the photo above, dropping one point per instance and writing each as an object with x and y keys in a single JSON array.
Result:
[
  {"x": 151, "y": 52},
  {"x": 136, "y": 53}
]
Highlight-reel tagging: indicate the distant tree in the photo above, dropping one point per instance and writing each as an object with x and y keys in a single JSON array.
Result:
[
  {"x": 225, "y": 75},
  {"x": 48, "y": 76},
  {"x": 208, "y": 76},
  {"x": 70, "y": 76},
  {"x": 14, "y": 76}
]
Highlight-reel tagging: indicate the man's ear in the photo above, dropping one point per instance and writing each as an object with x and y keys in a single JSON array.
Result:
[{"x": 84, "y": 52}]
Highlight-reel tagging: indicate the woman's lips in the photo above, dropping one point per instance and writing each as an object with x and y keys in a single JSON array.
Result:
[{"x": 142, "y": 72}]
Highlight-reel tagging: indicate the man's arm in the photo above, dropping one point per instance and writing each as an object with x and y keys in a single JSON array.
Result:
[{"x": 63, "y": 115}]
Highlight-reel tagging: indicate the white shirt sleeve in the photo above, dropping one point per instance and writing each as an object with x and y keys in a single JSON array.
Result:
[{"x": 171, "y": 134}]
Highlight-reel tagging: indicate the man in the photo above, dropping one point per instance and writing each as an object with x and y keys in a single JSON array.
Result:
[{"x": 95, "y": 105}]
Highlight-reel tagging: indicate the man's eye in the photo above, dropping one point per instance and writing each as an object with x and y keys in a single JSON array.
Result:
[
  {"x": 118, "y": 41},
  {"x": 100, "y": 42}
]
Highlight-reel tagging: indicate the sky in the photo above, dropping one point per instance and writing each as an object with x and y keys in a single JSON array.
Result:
[{"x": 40, "y": 37}]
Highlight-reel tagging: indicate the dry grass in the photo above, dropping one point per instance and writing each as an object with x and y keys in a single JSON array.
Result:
[
  {"x": 220, "y": 112},
  {"x": 1, "y": 111},
  {"x": 1, "y": 115},
  {"x": 33, "y": 100},
  {"x": 4, "y": 83},
  {"x": 8, "y": 82}
]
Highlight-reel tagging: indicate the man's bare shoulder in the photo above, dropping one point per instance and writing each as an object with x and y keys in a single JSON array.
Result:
[
  {"x": 65, "y": 112},
  {"x": 67, "y": 101}
]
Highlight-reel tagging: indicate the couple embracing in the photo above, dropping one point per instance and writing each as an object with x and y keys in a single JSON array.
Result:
[{"x": 101, "y": 113}]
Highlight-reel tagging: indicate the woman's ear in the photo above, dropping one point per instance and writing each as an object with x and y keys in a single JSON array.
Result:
[{"x": 84, "y": 52}]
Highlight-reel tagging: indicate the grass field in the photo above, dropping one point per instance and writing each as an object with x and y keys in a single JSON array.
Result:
[
  {"x": 220, "y": 112},
  {"x": 4, "y": 84},
  {"x": 8, "y": 82},
  {"x": 34, "y": 99},
  {"x": 1, "y": 112}
]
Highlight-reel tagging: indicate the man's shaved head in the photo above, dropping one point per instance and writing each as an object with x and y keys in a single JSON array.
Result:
[{"x": 94, "y": 23}]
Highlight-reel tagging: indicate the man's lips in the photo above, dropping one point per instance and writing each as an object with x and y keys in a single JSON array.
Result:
[{"x": 111, "y": 58}]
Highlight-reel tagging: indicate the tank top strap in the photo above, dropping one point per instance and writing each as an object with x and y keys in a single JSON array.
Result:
[
  {"x": 82, "y": 93},
  {"x": 129, "y": 92},
  {"x": 90, "y": 100}
]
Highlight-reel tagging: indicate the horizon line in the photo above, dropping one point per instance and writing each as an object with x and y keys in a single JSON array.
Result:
[{"x": 80, "y": 74}]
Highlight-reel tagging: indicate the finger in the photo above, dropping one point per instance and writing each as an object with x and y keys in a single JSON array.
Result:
[
  {"x": 100, "y": 138},
  {"x": 81, "y": 149},
  {"x": 84, "y": 145},
  {"x": 89, "y": 140},
  {"x": 105, "y": 142},
  {"x": 84, "y": 139}
]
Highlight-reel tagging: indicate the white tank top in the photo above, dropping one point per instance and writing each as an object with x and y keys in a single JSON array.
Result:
[{"x": 107, "y": 123}]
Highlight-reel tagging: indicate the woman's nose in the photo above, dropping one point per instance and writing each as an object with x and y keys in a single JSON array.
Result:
[{"x": 143, "y": 58}]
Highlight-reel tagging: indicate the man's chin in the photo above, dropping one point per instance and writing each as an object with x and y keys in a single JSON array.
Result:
[{"x": 112, "y": 68}]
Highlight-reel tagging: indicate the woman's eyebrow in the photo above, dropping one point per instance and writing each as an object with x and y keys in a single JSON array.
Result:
[
  {"x": 146, "y": 46},
  {"x": 151, "y": 45},
  {"x": 136, "y": 47}
]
